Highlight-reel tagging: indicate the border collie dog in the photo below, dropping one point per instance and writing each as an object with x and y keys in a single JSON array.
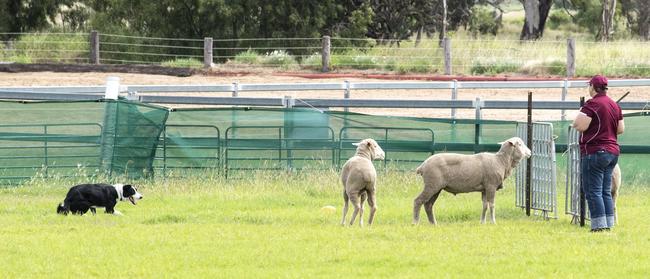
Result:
[{"x": 81, "y": 198}]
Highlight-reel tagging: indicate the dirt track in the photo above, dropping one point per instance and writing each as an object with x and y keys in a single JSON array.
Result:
[{"x": 67, "y": 79}]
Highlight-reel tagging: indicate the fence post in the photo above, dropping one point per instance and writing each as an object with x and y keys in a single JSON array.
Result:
[
  {"x": 571, "y": 57},
  {"x": 529, "y": 143},
  {"x": 207, "y": 52},
  {"x": 565, "y": 92},
  {"x": 454, "y": 97},
  {"x": 94, "y": 47},
  {"x": 478, "y": 104},
  {"x": 325, "y": 54},
  {"x": 446, "y": 45}
]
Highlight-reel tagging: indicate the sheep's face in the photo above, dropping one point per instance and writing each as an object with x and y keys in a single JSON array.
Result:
[
  {"x": 370, "y": 147},
  {"x": 520, "y": 150}
]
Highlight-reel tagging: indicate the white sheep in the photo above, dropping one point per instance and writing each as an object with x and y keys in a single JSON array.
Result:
[
  {"x": 616, "y": 185},
  {"x": 459, "y": 173},
  {"x": 359, "y": 177}
]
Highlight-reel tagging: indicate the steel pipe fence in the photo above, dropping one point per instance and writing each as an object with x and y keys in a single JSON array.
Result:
[
  {"x": 572, "y": 198},
  {"x": 544, "y": 177}
]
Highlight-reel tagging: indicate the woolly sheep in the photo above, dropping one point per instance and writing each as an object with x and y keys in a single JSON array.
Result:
[
  {"x": 358, "y": 177},
  {"x": 459, "y": 173},
  {"x": 616, "y": 185}
]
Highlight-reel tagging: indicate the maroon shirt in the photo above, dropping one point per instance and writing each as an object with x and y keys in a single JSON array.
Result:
[{"x": 601, "y": 133}]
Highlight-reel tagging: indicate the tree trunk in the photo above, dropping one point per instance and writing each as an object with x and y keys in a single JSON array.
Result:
[
  {"x": 607, "y": 27},
  {"x": 644, "y": 20},
  {"x": 419, "y": 36},
  {"x": 443, "y": 27},
  {"x": 536, "y": 13}
]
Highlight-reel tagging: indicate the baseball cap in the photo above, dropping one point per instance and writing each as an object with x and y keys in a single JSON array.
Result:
[{"x": 598, "y": 81}]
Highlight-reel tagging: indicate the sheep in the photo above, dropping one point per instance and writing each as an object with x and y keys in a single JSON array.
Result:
[
  {"x": 616, "y": 185},
  {"x": 459, "y": 173},
  {"x": 358, "y": 177}
]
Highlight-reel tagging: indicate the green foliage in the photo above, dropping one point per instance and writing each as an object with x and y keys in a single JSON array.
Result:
[
  {"x": 354, "y": 60},
  {"x": 183, "y": 62},
  {"x": 248, "y": 57},
  {"x": 493, "y": 66},
  {"x": 313, "y": 61},
  {"x": 558, "y": 18},
  {"x": 43, "y": 47},
  {"x": 544, "y": 67},
  {"x": 279, "y": 58},
  {"x": 483, "y": 21}
]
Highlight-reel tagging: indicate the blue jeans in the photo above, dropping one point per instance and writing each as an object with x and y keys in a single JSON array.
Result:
[{"x": 596, "y": 172}]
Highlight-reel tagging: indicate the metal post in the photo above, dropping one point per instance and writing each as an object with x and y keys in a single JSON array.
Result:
[
  {"x": 565, "y": 92},
  {"x": 325, "y": 54},
  {"x": 529, "y": 162},
  {"x": 446, "y": 45},
  {"x": 571, "y": 57},
  {"x": 454, "y": 97},
  {"x": 112, "y": 88},
  {"x": 207, "y": 52},
  {"x": 94, "y": 47},
  {"x": 477, "y": 125},
  {"x": 346, "y": 96},
  {"x": 45, "y": 150},
  {"x": 583, "y": 212}
]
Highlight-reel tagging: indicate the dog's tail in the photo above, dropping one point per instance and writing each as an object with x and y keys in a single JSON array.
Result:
[{"x": 62, "y": 209}]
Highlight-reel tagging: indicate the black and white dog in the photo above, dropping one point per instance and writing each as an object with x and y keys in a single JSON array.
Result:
[{"x": 81, "y": 198}]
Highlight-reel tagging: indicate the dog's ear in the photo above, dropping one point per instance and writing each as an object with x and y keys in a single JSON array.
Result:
[{"x": 128, "y": 190}]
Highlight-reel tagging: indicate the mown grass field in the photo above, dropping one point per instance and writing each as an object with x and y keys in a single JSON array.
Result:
[{"x": 271, "y": 226}]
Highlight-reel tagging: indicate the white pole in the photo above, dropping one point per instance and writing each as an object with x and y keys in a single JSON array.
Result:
[{"x": 112, "y": 88}]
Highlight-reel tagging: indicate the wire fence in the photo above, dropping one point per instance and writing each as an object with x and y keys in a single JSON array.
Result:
[{"x": 480, "y": 56}]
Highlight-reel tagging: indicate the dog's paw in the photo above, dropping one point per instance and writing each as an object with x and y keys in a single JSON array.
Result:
[{"x": 117, "y": 213}]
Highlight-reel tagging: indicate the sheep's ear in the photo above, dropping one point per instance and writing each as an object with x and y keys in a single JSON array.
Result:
[{"x": 356, "y": 144}]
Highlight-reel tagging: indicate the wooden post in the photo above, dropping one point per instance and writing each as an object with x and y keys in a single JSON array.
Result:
[
  {"x": 207, "y": 52},
  {"x": 582, "y": 191},
  {"x": 325, "y": 54},
  {"x": 94, "y": 47},
  {"x": 571, "y": 58},
  {"x": 446, "y": 45},
  {"x": 529, "y": 162}
]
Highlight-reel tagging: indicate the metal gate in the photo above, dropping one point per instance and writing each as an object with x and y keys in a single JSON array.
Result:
[
  {"x": 572, "y": 200},
  {"x": 543, "y": 185}
]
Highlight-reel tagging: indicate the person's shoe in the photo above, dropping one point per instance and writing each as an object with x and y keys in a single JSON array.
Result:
[{"x": 600, "y": 230}]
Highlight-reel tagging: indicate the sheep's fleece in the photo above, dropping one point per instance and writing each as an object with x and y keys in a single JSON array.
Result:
[
  {"x": 460, "y": 173},
  {"x": 359, "y": 177}
]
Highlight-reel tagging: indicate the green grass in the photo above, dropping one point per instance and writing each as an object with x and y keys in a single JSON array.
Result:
[
  {"x": 271, "y": 226},
  {"x": 183, "y": 62}
]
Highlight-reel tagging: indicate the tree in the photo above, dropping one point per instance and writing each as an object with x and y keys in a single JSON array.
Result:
[
  {"x": 607, "y": 17},
  {"x": 637, "y": 13},
  {"x": 536, "y": 13}
]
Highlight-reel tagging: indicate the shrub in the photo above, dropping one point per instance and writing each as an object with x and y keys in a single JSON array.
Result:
[
  {"x": 558, "y": 18},
  {"x": 183, "y": 62},
  {"x": 544, "y": 67},
  {"x": 484, "y": 21},
  {"x": 493, "y": 66},
  {"x": 313, "y": 61},
  {"x": 279, "y": 58},
  {"x": 247, "y": 57}
]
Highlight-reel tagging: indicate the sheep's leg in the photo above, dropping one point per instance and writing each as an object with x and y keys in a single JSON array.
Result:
[
  {"x": 490, "y": 194},
  {"x": 426, "y": 194},
  {"x": 428, "y": 208},
  {"x": 485, "y": 207},
  {"x": 614, "y": 195},
  {"x": 364, "y": 195},
  {"x": 372, "y": 202},
  {"x": 354, "y": 199},
  {"x": 345, "y": 207}
]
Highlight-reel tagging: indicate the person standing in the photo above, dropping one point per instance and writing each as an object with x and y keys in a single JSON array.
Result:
[{"x": 600, "y": 121}]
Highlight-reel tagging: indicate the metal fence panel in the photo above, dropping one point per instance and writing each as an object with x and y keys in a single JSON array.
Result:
[
  {"x": 572, "y": 199},
  {"x": 544, "y": 177}
]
